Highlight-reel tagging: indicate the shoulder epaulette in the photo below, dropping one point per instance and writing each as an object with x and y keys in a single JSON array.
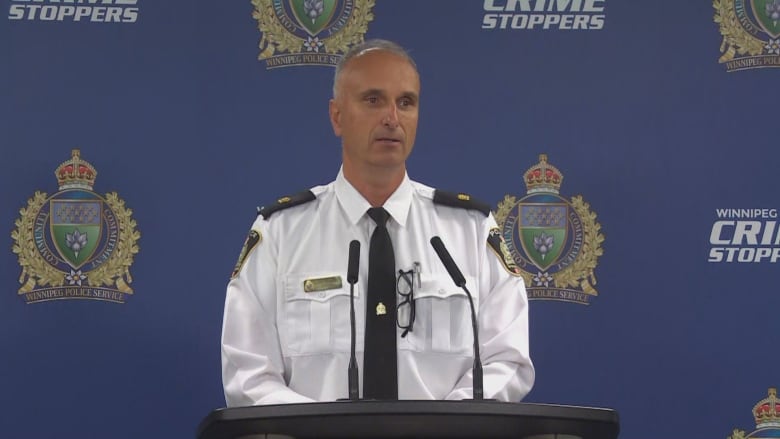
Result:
[
  {"x": 460, "y": 200},
  {"x": 285, "y": 202}
]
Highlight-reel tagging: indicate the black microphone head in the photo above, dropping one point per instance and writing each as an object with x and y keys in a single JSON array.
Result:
[
  {"x": 354, "y": 261},
  {"x": 449, "y": 264}
]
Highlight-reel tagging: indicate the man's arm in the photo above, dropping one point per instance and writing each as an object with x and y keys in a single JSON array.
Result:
[
  {"x": 503, "y": 328},
  {"x": 252, "y": 362}
]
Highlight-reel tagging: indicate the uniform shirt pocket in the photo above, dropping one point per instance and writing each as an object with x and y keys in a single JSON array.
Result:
[
  {"x": 443, "y": 316},
  {"x": 316, "y": 313}
]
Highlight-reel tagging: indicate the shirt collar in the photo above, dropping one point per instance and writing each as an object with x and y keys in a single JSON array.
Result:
[{"x": 356, "y": 206}]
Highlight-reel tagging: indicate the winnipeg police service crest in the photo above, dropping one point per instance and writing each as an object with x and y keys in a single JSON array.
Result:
[
  {"x": 555, "y": 242},
  {"x": 309, "y": 32},
  {"x": 75, "y": 244},
  {"x": 766, "y": 414},
  {"x": 751, "y": 33}
]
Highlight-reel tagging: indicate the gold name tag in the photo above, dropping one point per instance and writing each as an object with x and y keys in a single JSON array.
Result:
[{"x": 322, "y": 284}]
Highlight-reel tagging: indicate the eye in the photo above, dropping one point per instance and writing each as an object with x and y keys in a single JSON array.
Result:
[
  {"x": 372, "y": 99},
  {"x": 406, "y": 102}
]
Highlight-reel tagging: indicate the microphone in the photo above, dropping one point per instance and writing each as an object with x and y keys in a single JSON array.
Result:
[
  {"x": 352, "y": 276},
  {"x": 354, "y": 262},
  {"x": 449, "y": 264},
  {"x": 460, "y": 281}
]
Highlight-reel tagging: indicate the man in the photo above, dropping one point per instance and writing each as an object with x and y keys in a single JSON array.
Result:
[{"x": 286, "y": 331}]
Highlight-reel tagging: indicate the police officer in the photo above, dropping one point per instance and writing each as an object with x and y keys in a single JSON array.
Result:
[{"x": 286, "y": 329}]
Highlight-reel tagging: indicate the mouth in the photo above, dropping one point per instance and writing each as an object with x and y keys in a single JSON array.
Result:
[{"x": 388, "y": 140}]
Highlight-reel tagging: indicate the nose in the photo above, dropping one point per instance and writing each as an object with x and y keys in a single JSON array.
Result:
[{"x": 391, "y": 118}]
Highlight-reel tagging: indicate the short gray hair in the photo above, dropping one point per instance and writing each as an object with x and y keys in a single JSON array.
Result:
[{"x": 359, "y": 49}]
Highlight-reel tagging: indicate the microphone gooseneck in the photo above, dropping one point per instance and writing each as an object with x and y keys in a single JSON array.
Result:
[
  {"x": 352, "y": 276},
  {"x": 460, "y": 281}
]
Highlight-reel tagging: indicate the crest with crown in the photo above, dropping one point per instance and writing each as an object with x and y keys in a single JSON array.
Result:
[
  {"x": 95, "y": 238},
  {"x": 76, "y": 173},
  {"x": 766, "y": 413},
  {"x": 540, "y": 230},
  {"x": 543, "y": 177}
]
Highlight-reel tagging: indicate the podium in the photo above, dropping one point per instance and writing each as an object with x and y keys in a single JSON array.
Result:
[{"x": 411, "y": 419}]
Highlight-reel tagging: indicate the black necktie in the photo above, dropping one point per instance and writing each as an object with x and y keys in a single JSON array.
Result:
[{"x": 380, "y": 369}]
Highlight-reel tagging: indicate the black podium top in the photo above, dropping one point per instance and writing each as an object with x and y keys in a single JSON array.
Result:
[{"x": 411, "y": 419}]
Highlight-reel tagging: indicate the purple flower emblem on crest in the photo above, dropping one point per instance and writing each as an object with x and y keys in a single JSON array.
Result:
[
  {"x": 773, "y": 10},
  {"x": 314, "y": 8},
  {"x": 76, "y": 241},
  {"x": 543, "y": 243}
]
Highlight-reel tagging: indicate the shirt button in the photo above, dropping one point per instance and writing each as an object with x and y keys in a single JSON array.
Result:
[{"x": 321, "y": 295}]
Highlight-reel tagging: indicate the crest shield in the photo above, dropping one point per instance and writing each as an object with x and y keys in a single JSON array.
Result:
[
  {"x": 313, "y": 15},
  {"x": 76, "y": 228},
  {"x": 543, "y": 231},
  {"x": 554, "y": 242},
  {"x": 767, "y": 13},
  {"x": 75, "y": 244}
]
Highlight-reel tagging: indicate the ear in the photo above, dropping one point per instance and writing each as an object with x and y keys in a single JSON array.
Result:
[{"x": 335, "y": 117}]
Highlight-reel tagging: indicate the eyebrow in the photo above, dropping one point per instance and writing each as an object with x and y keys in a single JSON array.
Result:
[{"x": 371, "y": 91}]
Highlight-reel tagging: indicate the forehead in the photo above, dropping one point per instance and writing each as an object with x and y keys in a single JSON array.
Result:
[{"x": 380, "y": 69}]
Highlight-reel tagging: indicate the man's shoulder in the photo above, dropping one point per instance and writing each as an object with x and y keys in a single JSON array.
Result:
[
  {"x": 289, "y": 201},
  {"x": 457, "y": 200}
]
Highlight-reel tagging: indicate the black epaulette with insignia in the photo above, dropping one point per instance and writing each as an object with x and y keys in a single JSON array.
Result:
[
  {"x": 285, "y": 202},
  {"x": 460, "y": 200}
]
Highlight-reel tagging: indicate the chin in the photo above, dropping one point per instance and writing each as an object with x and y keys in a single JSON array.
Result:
[{"x": 390, "y": 163}]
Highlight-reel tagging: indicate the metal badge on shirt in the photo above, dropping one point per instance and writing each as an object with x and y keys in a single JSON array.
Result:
[{"x": 322, "y": 284}]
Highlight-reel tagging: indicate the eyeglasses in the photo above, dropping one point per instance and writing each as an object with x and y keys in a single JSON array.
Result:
[{"x": 405, "y": 287}]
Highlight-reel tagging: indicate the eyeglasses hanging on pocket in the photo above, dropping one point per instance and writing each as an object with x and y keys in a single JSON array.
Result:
[{"x": 405, "y": 286}]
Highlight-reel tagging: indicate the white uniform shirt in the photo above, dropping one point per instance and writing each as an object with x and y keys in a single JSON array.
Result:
[{"x": 283, "y": 345}]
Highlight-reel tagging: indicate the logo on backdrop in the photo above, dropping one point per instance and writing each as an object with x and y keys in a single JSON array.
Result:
[
  {"x": 745, "y": 235},
  {"x": 75, "y": 244},
  {"x": 555, "y": 242},
  {"x": 543, "y": 14},
  {"x": 309, "y": 32},
  {"x": 766, "y": 413},
  {"x": 751, "y": 33},
  {"x": 95, "y": 11}
]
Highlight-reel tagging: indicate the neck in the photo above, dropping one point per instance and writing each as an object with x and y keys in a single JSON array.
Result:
[{"x": 376, "y": 186}]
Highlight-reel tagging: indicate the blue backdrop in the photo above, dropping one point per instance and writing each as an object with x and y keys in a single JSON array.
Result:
[{"x": 170, "y": 103}]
